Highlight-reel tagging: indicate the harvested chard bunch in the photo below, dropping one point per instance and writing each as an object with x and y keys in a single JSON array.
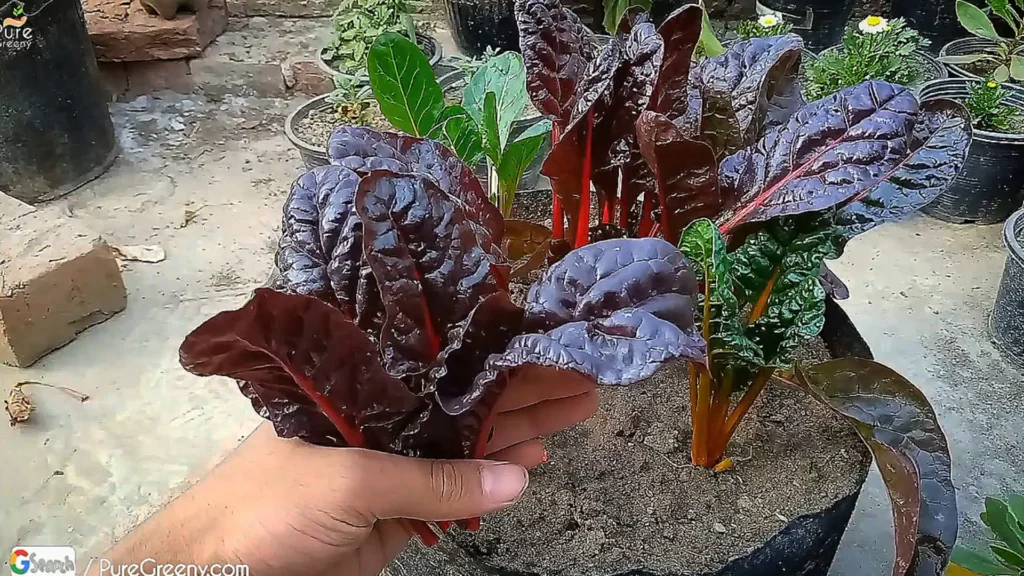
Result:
[{"x": 391, "y": 327}]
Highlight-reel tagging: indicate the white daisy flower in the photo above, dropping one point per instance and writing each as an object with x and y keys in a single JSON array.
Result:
[
  {"x": 770, "y": 20},
  {"x": 873, "y": 25}
]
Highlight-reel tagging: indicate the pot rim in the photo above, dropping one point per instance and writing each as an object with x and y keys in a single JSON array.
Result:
[
  {"x": 953, "y": 44},
  {"x": 318, "y": 103},
  {"x": 1014, "y": 225},
  {"x": 956, "y": 89},
  {"x": 422, "y": 39}
]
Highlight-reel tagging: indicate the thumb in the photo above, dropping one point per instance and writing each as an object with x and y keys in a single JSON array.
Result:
[{"x": 391, "y": 486}]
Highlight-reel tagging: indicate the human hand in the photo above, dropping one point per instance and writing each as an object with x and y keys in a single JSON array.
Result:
[{"x": 285, "y": 506}]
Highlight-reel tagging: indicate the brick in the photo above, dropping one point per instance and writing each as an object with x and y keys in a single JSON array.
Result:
[
  {"x": 305, "y": 77},
  {"x": 57, "y": 278},
  {"x": 157, "y": 75},
  {"x": 122, "y": 31}
]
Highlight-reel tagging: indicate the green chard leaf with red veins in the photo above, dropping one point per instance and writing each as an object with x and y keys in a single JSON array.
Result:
[
  {"x": 898, "y": 424},
  {"x": 829, "y": 152},
  {"x": 719, "y": 308},
  {"x": 941, "y": 140}
]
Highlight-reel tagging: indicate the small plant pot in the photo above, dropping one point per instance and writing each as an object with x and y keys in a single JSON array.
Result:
[
  {"x": 821, "y": 23},
  {"x": 963, "y": 47},
  {"x": 1008, "y": 315},
  {"x": 312, "y": 154},
  {"x": 477, "y": 24},
  {"x": 991, "y": 185},
  {"x": 430, "y": 46},
  {"x": 55, "y": 130},
  {"x": 605, "y": 503},
  {"x": 931, "y": 69}
]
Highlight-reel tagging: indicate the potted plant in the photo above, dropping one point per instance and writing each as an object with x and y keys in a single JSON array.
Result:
[
  {"x": 987, "y": 54},
  {"x": 1008, "y": 314},
  {"x": 1005, "y": 554},
  {"x": 990, "y": 187},
  {"x": 877, "y": 49},
  {"x": 355, "y": 26},
  {"x": 480, "y": 24}
]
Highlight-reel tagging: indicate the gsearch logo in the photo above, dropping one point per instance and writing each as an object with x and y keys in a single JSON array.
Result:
[{"x": 43, "y": 560}]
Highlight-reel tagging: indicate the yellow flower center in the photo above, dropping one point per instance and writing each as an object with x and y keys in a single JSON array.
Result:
[
  {"x": 992, "y": 84},
  {"x": 768, "y": 21},
  {"x": 874, "y": 20}
]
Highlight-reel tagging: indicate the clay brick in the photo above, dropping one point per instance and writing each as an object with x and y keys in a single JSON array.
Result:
[
  {"x": 122, "y": 31},
  {"x": 305, "y": 77},
  {"x": 57, "y": 278}
]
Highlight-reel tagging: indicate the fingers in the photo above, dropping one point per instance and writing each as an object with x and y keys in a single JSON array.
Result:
[
  {"x": 534, "y": 384},
  {"x": 529, "y": 454},
  {"x": 389, "y": 486},
  {"x": 511, "y": 428}
]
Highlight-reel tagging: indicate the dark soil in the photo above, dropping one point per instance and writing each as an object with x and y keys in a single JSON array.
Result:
[
  {"x": 316, "y": 128},
  {"x": 619, "y": 493}
]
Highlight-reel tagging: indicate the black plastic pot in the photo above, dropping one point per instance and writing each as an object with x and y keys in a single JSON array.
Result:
[
  {"x": 991, "y": 185},
  {"x": 821, "y": 23},
  {"x": 1008, "y": 315},
  {"x": 805, "y": 546},
  {"x": 55, "y": 130},
  {"x": 477, "y": 24},
  {"x": 963, "y": 47},
  {"x": 430, "y": 46},
  {"x": 312, "y": 155},
  {"x": 931, "y": 69},
  {"x": 934, "y": 19}
]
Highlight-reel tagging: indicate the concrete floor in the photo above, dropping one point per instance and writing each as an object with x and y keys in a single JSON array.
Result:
[{"x": 85, "y": 473}]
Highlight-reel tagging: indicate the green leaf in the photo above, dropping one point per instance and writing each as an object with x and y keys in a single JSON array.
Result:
[
  {"x": 505, "y": 77},
  {"x": 404, "y": 85},
  {"x": 1008, "y": 556},
  {"x": 708, "y": 41},
  {"x": 898, "y": 424},
  {"x": 966, "y": 59},
  {"x": 754, "y": 264},
  {"x": 1001, "y": 74},
  {"x": 793, "y": 317},
  {"x": 702, "y": 243},
  {"x": 1016, "y": 504},
  {"x": 1005, "y": 11},
  {"x": 974, "y": 20},
  {"x": 614, "y": 9},
  {"x": 491, "y": 129},
  {"x": 457, "y": 130},
  {"x": 517, "y": 157},
  {"x": 979, "y": 563},
  {"x": 1017, "y": 67},
  {"x": 998, "y": 518}
]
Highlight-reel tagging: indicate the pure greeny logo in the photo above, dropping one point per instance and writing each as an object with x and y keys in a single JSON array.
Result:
[{"x": 15, "y": 33}]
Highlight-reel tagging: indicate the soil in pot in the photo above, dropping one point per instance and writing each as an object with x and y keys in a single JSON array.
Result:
[
  {"x": 318, "y": 125},
  {"x": 619, "y": 494},
  {"x": 984, "y": 69}
]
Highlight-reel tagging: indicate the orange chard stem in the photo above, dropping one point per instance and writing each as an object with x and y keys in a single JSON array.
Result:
[
  {"x": 719, "y": 411},
  {"x": 744, "y": 405},
  {"x": 762, "y": 303},
  {"x": 699, "y": 450}
]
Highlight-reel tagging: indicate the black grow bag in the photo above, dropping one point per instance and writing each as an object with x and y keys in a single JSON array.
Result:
[
  {"x": 477, "y": 24},
  {"x": 991, "y": 185},
  {"x": 806, "y": 546},
  {"x": 821, "y": 23},
  {"x": 934, "y": 19},
  {"x": 55, "y": 131},
  {"x": 1008, "y": 314}
]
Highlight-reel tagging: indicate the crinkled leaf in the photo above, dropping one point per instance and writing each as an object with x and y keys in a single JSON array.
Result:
[
  {"x": 365, "y": 150},
  {"x": 753, "y": 81},
  {"x": 685, "y": 173},
  {"x": 975, "y": 21},
  {"x": 527, "y": 242},
  {"x": 793, "y": 317},
  {"x": 681, "y": 33},
  {"x": 302, "y": 357},
  {"x": 942, "y": 138},
  {"x": 785, "y": 254},
  {"x": 597, "y": 279},
  {"x": 505, "y": 77},
  {"x": 898, "y": 424},
  {"x": 719, "y": 310},
  {"x": 557, "y": 48},
  {"x": 431, "y": 270},
  {"x": 830, "y": 151},
  {"x": 621, "y": 349},
  {"x": 569, "y": 166},
  {"x": 404, "y": 84}
]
